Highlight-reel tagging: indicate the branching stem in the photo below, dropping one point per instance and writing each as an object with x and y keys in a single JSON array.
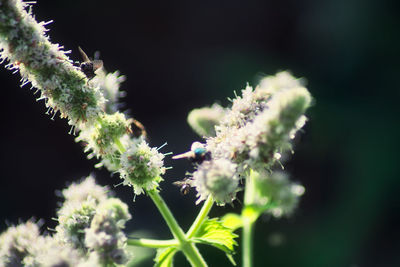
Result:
[
  {"x": 249, "y": 217},
  {"x": 152, "y": 243},
  {"x": 201, "y": 217},
  {"x": 188, "y": 248}
]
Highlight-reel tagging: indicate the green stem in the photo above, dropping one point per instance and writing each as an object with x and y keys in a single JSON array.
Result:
[
  {"x": 201, "y": 217},
  {"x": 249, "y": 217},
  {"x": 247, "y": 243},
  {"x": 152, "y": 243},
  {"x": 188, "y": 248}
]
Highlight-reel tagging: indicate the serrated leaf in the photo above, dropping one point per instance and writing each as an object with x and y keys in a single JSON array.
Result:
[
  {"x": 165, "y": 257},
  {"x": 232, "y": 221},
  {"x": 214, "y": 233}
]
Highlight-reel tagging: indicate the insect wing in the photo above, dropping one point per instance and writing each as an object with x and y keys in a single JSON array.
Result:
[
  {"x": 84, "y": 56},
  {"x": 179, "y": 183},
  {"x": 138, "y": 129},
  {"x": 184, "y": 185}
]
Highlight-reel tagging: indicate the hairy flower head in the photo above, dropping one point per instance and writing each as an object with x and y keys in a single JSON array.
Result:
[
  {"x": 203, "y": 120},
  {"x": 105, "y": 236},
  {"x": 141, "y": 167},
  {"x": 73, "y": 219},
  {"x": 16, "y": 244},
  {"x": 84, "y": 190},
  {"x": 24, "y": 43},
  {"x": 272, "y": 130},
  {"x": 101, "y": 137},
  {"x": 109, "y": 84},
  {"x": 83, "y": 202},
  {"x": 217, "y": 178},
  {"x": 52, "y": 253},
  {"x": 23, "y": 245},
  {"x": 276, "y": 193},
  {"x": 257, "y": 128}
]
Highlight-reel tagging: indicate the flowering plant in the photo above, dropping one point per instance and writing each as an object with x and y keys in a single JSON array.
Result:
[{"x": 242, "y": 145}]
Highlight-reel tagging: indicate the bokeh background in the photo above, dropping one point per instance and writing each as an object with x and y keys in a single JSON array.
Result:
[{"x": 179, "y": 55}]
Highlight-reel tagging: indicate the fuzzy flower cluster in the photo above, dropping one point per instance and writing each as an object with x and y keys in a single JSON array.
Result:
[
  {"x": 104, "y": 237},
  {"x": 139, "y": 165},
  {"x": 105, "y": 132},
  {"x": 109, "y": 84},
  {"x": 92, "y": 222},
  {"x": 62, "y": 85},
  {"x": 203, "y": 120},
  {"x": 218, "y": 176},
  {"x": 274, "y": 193},
  {"x": 120, "y": 143},
  {"x": 102, "y": 138},
  {"x": 23, "y": 245},
  {"x": 16, "y": 244},
  {"x": 251, "y": 135},
  {"x": 142, "y": 167},
  {"x": 89, "y": 233}
]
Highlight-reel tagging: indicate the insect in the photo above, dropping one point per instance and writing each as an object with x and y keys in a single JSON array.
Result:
[
  {"x": 138, "y": 129},
  {"x": 197, "y": 154},
  {"x": 88, "y": 67},
  {"x": 184, "y": 185}
]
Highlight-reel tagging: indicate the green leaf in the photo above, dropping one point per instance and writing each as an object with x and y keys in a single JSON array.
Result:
[
  {"x": 251, "y": 212},
  {"x": 164, "y": 257},
  {"x": 214, "y": 233},
  {"x": 232, "y": 221}
]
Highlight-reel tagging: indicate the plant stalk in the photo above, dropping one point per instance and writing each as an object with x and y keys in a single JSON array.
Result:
[
  {"x": 247, "y": 243},
  {"x": 191, "y": 252},
  {"x": 249, "y": 217},
  {"x": 201, "y": 217},
  {"x": 152, "y": 243}
]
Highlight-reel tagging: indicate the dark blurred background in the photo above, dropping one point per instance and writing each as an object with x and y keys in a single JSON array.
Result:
[{"x": 183, "y": 55}]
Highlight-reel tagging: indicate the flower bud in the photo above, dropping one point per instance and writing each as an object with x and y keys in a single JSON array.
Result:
[
  {"x": 203, "y": 120},
  {"x": 276, "y": 194},
  {"x": 84, "y": 190},
  {"x": 104, "y": 237},
  {"x": 142, "y": 167},
  {"x": 281, "y": 81},
  {"x": 101, "y": 138},
  {"x": 253, "y": 133},
  {"x": 109, "y": 84},
  {"x": 24, "y": 246},
  {"x": 52, "y": 253},
  {"x": 272, "y": 130},
  {"x": 73, "y": 219},
  {"x": 116, "y": 209},
  {"x": 109, "y": 128},
  {"x": 17, "y": 244},
  {"x": 217, "y": 178}
]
